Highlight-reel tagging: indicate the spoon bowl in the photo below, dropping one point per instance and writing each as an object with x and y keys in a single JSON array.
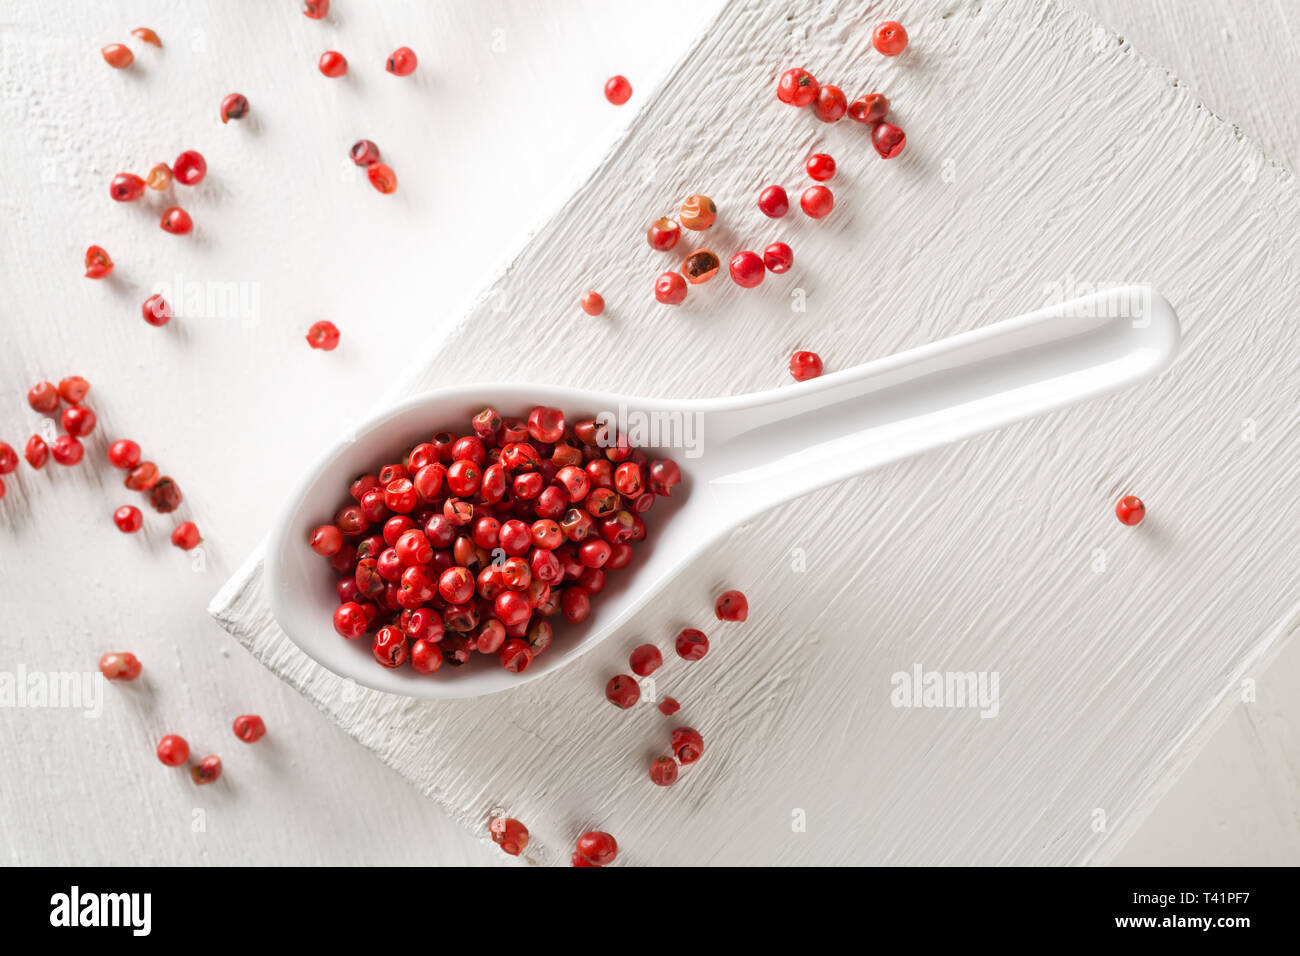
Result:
[{"x": 738, "y": 456}]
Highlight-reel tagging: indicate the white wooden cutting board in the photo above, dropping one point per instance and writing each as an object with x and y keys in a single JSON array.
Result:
[{"x": 1044, "y": 158}]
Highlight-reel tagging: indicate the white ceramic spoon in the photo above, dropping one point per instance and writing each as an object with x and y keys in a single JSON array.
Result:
[{"x": 752, "y": 452}]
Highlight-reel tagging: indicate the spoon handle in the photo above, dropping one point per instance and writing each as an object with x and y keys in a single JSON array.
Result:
[{"x": 760, "y": 450}]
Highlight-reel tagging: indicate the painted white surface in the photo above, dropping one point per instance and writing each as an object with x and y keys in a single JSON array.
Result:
[
  {"x": 1112, "y": 646},
  {"x": 284, "y": 214}
]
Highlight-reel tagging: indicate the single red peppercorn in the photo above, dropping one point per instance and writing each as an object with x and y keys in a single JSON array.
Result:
[
  {"x": 126, "y": 187},
  {"x": 509, "y": 834},
  {"x": 670, "y": 289},
  {"x": 350, "y": 620},
  {"x": 889, "y": 38},
  {"x": 731, "y": 606},
  {"x": 124, "y": 453},
  {"x": 687, "y": 745},
  {"x": 36, "y": 452},
  {"x": 142, "y": 477},
  {"x": 692, "y": 644},
  {"x": 747, "y": 269},
  {"x": 364, "y": 152},
  {"x": 797, "y": 87},
  {"x": 645, "y": 660},
  {"x": 66, "y": 450},
  {"x": 669, "y": 706},
  {"x": 830, "y": 104},
  {"x": 249, "y": 728},
  {"x": 618, "y": 90},
  {"x": 128, "y": 519},
  {"x": 888, "y": 140},
  {"x": 1130, "y": 510},
  {"x": 592, "y": 303},
  {"x": 805, "y": 365},
  {"x": 382, "y": 178},
  {"x": 316, "y": 9},
  {"x": 176, "y": 221},
  {"x": 389, "y": 647},
  {"x": 173, "y": 750},
  {"x": 597, "y": 848},
  {"x": 189, "y": 168},
  {"x": 869, "y": 109},
  {"x": 234, "y": 106},
  {"x": 401, "y": 62},
  {"x": 117, "y": 56},
  {"x": 120, "y": 665},
  {"x": 145, "y": 35},
  {"x": 622, "y": 691},
  {"x": 206, "y": 770},
  {"x": 8, "y": 458},
  {"x": 700, "y": 266},
  {"x": 663, "y": 771},
  {"x": 663, "y": 234},
  {"x": 323, "y": 335},
  {"x": 820, "y": 166},
  {"x": 43, "y": 398},
  {"x": 773, "y": 202},
  {"x": 186, "y": 536},
  {"x": 98, "y": 264},
  {"x": 426, "y": 656},
  {"x": 73, "y": 389},
  {"x": 156, "y": 311},
  {"x": 817, "y": 201},
  {"x": 78, "y": 421},
  {"x": 698, "y": 212},
  {"x": 332, "y": 63},
  {"x": 515, "y": 655},
  {"x": 165, "y": 496},
  {"x": 778, "y": 257}
]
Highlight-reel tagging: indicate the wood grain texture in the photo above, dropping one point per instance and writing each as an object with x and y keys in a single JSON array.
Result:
[{"x": 1082, "y": 165}]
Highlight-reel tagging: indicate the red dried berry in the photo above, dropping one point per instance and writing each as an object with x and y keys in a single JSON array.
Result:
[
  {"x": 401, "y": 62},
  {"x": 1130, "y": 510},
  {"x": 36, "y": 452},
  {"x": 509, "y": 834},
  {"x": 156, "y": 311},
  {"x": 43, "y": 398},
  {"x": 797, "y": 87},
  {"x": 316, "y": 9},
  {"x": 869, "y": 109},
  {"x": 206, "y": 770},
  {"x": 663, "y": 771},
  {"x": 622, "y": 691},
  {"x": 747, "y": 269},
  {"x": 669, "y": 706},
  {"x": 515, "y": 655},
  {"x": 670, "y": 289},
  {"x": 73, "y": 389},
  {"x": 78, "y": 421},
  {"x": 592, "y": 303},
  {"x": 817, "y": 201},
  {"x": 117, "y": 56},
  {"x": 186, "y": 536},
  {"x": 234, "y": 106},
  {"x": 663, "y": 234},
  {"x": 142, "y": 477},
  {"x": 364, "y": 152},
  {"x": 8, "y": 459},
  {"x": 700, "y": 266},
  {"x": 820, "y": 167},
  {"x": 692, "y": 644},
  {"x": 126, "y": 187},
  {"x": 698, "y": 212},
  {"x": 145, "y": 35},
  {"x": 805, "y": 365},
  {"x": 160, "y": 176},
  {"x": 597, "y": 848},
  {"x": 98, "y": 264},
  {"x": 176, "y": 221},
  {"x": 888, "y": 140},
  {"x": 778, "y": 257},
  {"x": 645, "y": 660},
  {"x": 189, "y": 168},
  {"x": 773, "y": 202},
  {"x": 128, "y": 519},
  {"x": 687, "y": 745},
  {"x": 382, "y": 178},
  {"x": 249, "y": 728},
  {"x": 66, "y": 450},
  {"x": 120, "y": 665},
  {"x": 389, "y": 647},
  {"x": 731, "y": 606},
  {"x": 124, "y": 453},
  {"x": 173, "y": 750},
  {"x": 889, "y": 38},
  {"x": 332, "y": 63},
  {"x": 830, "y": 104},
  {"x": 350, "y": 620},
  {"x": 323, "y": 335},
  {"x": 618, "y": 90},
  {"x": 165, "y": 496}
]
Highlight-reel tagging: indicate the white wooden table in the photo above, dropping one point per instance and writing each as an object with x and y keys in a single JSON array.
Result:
[{"x": 232, "y": 404}]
